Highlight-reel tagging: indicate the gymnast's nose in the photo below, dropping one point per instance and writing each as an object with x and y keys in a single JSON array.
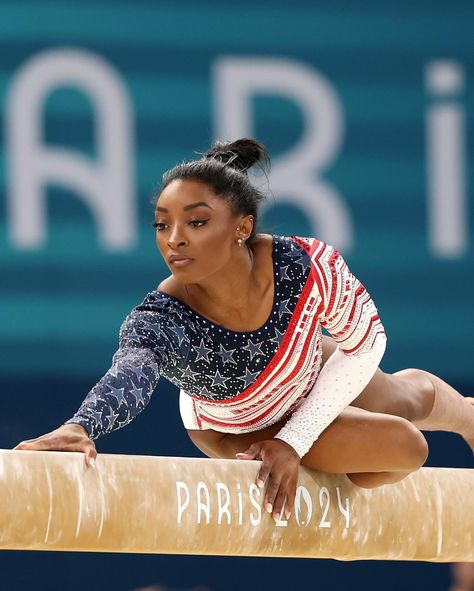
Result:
[{"x": 177, "y": 238}]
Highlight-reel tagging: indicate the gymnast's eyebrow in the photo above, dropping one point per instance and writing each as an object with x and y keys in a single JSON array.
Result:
[{"x": 187, "y": 207}]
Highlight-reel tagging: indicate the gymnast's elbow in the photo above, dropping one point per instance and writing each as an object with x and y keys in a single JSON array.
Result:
[{"x": 209, "y": 442}]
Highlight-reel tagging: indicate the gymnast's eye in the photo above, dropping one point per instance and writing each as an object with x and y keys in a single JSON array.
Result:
[
  {"x": 197, "y": 223},
  {"x": 159, "y": 225}
]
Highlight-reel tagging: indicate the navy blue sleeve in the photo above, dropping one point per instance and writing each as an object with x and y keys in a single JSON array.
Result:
[{"x": 125, "y": 390}]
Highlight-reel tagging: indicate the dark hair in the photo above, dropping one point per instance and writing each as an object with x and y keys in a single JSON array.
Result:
[{"x": 225, "y": 169}]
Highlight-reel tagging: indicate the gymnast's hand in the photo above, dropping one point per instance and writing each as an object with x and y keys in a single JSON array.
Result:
[
  {"x": 71, "y": 437},
  {"x": 280, "y": 464}
]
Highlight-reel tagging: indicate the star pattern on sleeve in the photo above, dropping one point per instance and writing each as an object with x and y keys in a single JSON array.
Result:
[
  {"x": 127, "y": 387},
  {"x": 134, "y": 336},
  {"x": 181, "y": 334},
  {"x": 138, "y": 373},
  {"x": 111, "y": 416},
  {"x": 137, "y": 394}
]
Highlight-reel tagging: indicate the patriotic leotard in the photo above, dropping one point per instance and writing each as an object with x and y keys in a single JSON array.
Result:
[{"x": 238, "y": 382}]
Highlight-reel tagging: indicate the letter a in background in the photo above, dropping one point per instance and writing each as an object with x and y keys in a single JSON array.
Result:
[
  {"x": 106, "y": 184},
  {"x": 296, "y": 175}
]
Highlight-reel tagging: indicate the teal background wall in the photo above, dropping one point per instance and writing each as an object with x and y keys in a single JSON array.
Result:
[{"x": 397, "y": 107}]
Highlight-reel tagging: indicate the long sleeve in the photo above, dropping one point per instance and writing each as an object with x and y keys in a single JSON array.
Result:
[
  {"x": 348, "y": 313},
  {"x": 126, "y": 388}
]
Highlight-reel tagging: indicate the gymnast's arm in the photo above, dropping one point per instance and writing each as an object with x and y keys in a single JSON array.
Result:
[
  {"x": 351, "y": 318},
  {"x": 120, "y": 395}
]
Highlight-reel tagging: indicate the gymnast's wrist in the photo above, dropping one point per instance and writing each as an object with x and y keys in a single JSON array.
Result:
[
  {"x": 291, "y": 442},
  {"x": 76, "y": 427}
]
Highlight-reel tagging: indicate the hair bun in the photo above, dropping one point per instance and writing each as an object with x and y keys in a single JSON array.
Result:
[{"x": 241, "y": 154}]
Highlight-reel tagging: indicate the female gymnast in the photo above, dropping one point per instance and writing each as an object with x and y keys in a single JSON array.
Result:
[{"x": 237, "y": 326}]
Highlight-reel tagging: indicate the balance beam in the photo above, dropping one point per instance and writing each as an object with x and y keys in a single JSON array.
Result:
[{"x": 141, "y": 504}]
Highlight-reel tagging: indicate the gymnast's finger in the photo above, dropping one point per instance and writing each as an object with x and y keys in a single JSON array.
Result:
[
  {"x": 252, "y": 453},
  {"x": 279, "y": 503},
  {"x": 48, "y": 442},
  {"x": 90, "y": 455},
  {"x": 273, "y": 487},
  {"x": 33, "y": 444},
  {"x": 263, "y": 473}
]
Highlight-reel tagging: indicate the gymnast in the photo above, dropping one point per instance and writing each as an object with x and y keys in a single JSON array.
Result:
[{"x": 237, "y": 326}]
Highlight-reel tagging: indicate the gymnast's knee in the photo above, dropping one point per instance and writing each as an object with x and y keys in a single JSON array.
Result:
[{"x": 413, "y": 446}]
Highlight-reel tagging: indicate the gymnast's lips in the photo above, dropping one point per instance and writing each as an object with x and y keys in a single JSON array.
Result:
[{"x": 179, "y": 260}]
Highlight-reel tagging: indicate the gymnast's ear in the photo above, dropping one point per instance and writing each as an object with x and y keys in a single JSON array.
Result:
[{"x": 244, "y": 227}]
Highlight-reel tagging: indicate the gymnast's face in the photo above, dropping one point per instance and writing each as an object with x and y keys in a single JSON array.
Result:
[{"x": 196, "y": 231}]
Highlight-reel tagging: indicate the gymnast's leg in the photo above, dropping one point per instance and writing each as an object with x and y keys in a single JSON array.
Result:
[
  {"x": 418, "y": 396},
  {"x": 371, "y": 448}
]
